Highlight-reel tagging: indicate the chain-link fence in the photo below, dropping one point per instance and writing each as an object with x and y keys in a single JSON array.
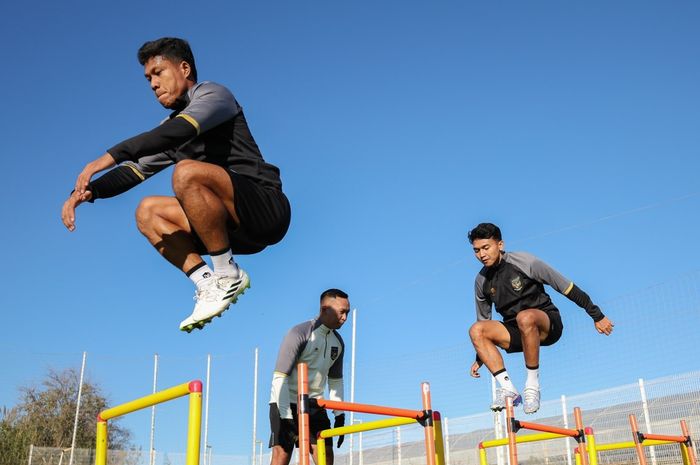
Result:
[{"x": 658, "y": 404}]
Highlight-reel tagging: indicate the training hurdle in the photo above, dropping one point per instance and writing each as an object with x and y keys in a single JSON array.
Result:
[
  {"x": 592, "y": 445},
  {"x": 429, "y": 419},
  {"x": 549, "y": 432},
  {"x": 686, "y": 444},
  {"x": 194, "y": 424}
]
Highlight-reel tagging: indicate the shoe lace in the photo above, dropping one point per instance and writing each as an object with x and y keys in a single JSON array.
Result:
[{"x": 531, "y": 395}]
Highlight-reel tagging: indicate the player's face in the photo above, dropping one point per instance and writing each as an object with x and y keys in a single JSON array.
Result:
[
  {"x": 168, "y": 79},
  {"x": 488, "y": 251},
  {"x": 334, "y": 311}
]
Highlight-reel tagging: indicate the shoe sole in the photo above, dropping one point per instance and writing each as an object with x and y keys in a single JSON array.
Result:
[
  {"x": 202, "y": 323},
  {"x": 518, "y": 400}
]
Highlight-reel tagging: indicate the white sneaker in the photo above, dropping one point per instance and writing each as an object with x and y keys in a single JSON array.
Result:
[
  {"x": 532, "y": 399},
  {"x": 500, "y": 402},
  {"x": 213, "y": 297}
]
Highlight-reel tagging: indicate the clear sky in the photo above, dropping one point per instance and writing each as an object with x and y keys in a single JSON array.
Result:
[{"x": 398, "y": 126}]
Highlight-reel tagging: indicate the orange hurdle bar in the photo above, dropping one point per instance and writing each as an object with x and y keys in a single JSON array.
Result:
[
  {"x": 515, "y": 425},
  {"x": 366, "y": 408},
  {"x": 303, "y": 412},
  {"x": 685, "y": 443}
]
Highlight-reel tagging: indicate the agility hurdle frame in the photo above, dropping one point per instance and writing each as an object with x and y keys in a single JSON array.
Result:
[
  {"x": 684, "y": 441},
  {"x": 429, "y": 419},
  {"x": 194, "y": 423},
  {"x": 592, "y": 445},
  {"x": 549, "y": 432}
]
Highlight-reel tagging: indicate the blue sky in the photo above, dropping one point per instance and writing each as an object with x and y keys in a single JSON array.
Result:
[{"x": 398, "y": 126}]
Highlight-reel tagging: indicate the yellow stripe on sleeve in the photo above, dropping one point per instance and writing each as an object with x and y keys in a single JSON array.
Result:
[
  {"x": 138, "y": 173},
  {"x": 568, "y": 289},
  {"x": 280, "y": 373},
  {"x": 190, "y": 120}
]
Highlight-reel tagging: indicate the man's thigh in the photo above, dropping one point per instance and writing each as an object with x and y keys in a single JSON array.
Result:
[{"x": 495, "y": 332}]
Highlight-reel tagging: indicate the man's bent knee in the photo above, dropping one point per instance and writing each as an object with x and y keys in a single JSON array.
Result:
[
  {"x": 186, "y": 173},
  {"x": 477, "y": 332},
  {"x": 145, "y": 213},
  {"x": 526, "y": 319}
]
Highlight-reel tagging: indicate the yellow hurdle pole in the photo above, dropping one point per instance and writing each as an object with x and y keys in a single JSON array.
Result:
[
  {"x": 321, "y": 450},
  {"x": 482, "y": 455},
  {"x": 521, "y": 439},
  {"x": 428, "y": 427},
  {"x": 577, "y": 456},
  {"x": 147, "y": 401},
  {"x": 194, "y": 423},
  {"x": 101, "y": 442},
  {"x": 439, "y": 444},
  {"x": 630, "y": 445},
  {"x": 369, "y": 426},
  {"x": 590, "y": 445}
]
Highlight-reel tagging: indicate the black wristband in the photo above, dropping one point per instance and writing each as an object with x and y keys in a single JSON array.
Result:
[
  {"x": 113, "y": 182},
  {"x": 580, "y": 298}
]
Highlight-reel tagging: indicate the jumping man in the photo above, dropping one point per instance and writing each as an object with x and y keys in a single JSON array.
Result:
[
  {"x": 318, "y": 344},
  {"x": 227, "y": 200},
  {"x": 514, "y": 283}
]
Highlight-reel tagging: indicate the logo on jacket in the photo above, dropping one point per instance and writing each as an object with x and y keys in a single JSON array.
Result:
[
  {"x": 334, "y": 353},
  {"x": 517, "y": 284},
  {"x": 492, "y": 291}
]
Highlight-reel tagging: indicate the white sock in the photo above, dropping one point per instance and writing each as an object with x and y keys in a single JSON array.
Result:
[
  {"x": 224, "y": 264},
  {"x": 533, "y": 378},
  {"x": 200, "y": 274},
  {"x": 504, "y": 381}
]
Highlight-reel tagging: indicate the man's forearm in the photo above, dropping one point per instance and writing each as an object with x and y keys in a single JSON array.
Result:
[
  {"x": 113, "y": 182},
  {"x": 583, "y": 300}
]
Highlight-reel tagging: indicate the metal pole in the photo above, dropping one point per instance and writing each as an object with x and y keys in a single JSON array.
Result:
[
  {"x": 497, "y": 425},
  {"x": 31, "y": 451},
  {"x": 255, "y": 404},
  {"x": 398, "y": 445},
  {"x": 77, "y": 409},
  {"x": 566, "y": 425},
  {"x": 352, "y": 379},
  {"x": 447, "y": 441},
  {"x": 206, "y": 411},
  {"x": 645, "y": 408},
  {"x": 152, "y": 459},
  {"x": 260, "y": 449}
]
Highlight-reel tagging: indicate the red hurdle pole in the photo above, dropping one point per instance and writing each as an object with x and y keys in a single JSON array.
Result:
[
  {"x": 637, "y": 443},
  {"x": 429, "y": 429},
  {"x": 512, "y": 443},
  {"x": 303, "y": 412},
  {"x": 692, "y": 460},
  {"x": 581, "y": 438}
]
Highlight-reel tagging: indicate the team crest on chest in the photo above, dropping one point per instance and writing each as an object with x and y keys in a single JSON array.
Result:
[
  {"x": 517, "y": 284},
  {"x": 334, "y": 352},
  {"x": 492, "y": 291}
]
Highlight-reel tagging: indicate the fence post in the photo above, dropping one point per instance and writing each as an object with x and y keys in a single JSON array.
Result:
[
  {"x": 497, "y": 425},
  {"x": 447, "y": 442},
  {"x": 398, "y": 445},
  {"x": 647, "y": 422},
  {"x": 566, "y": 425}
]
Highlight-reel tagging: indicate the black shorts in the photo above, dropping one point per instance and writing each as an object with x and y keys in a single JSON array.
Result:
[
  {"x": 264, "y": 215},
  {"x": 281, "y": 436},
  {"x": 516, "y": 342}
]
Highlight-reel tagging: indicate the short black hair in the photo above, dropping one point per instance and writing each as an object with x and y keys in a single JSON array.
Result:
[
  {"x": 168, "y": 47},
  {"x": 333, "y": 293},
  {"x": 485, "y": 231}
]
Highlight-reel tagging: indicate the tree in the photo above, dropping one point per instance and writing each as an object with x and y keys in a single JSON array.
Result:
[{"x": 45, "y": 417}]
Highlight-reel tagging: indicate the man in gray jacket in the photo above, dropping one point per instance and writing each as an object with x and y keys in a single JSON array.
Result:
[
  {"x": 318, "y": 344},
  {"x": 514, "y": 282}
]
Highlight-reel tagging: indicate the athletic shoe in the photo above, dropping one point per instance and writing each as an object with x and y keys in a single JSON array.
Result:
[
  {"x": 501, "y": 395},
  {"x": 213, "y": 297},
  {"x": 532, "y": 400}
]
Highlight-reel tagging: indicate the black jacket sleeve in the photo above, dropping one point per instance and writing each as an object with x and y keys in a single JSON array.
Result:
[
  {"x": 580, "y": 298},
  {"x": 113, "y": 182},
  {"x": 169, "y": 135}
]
